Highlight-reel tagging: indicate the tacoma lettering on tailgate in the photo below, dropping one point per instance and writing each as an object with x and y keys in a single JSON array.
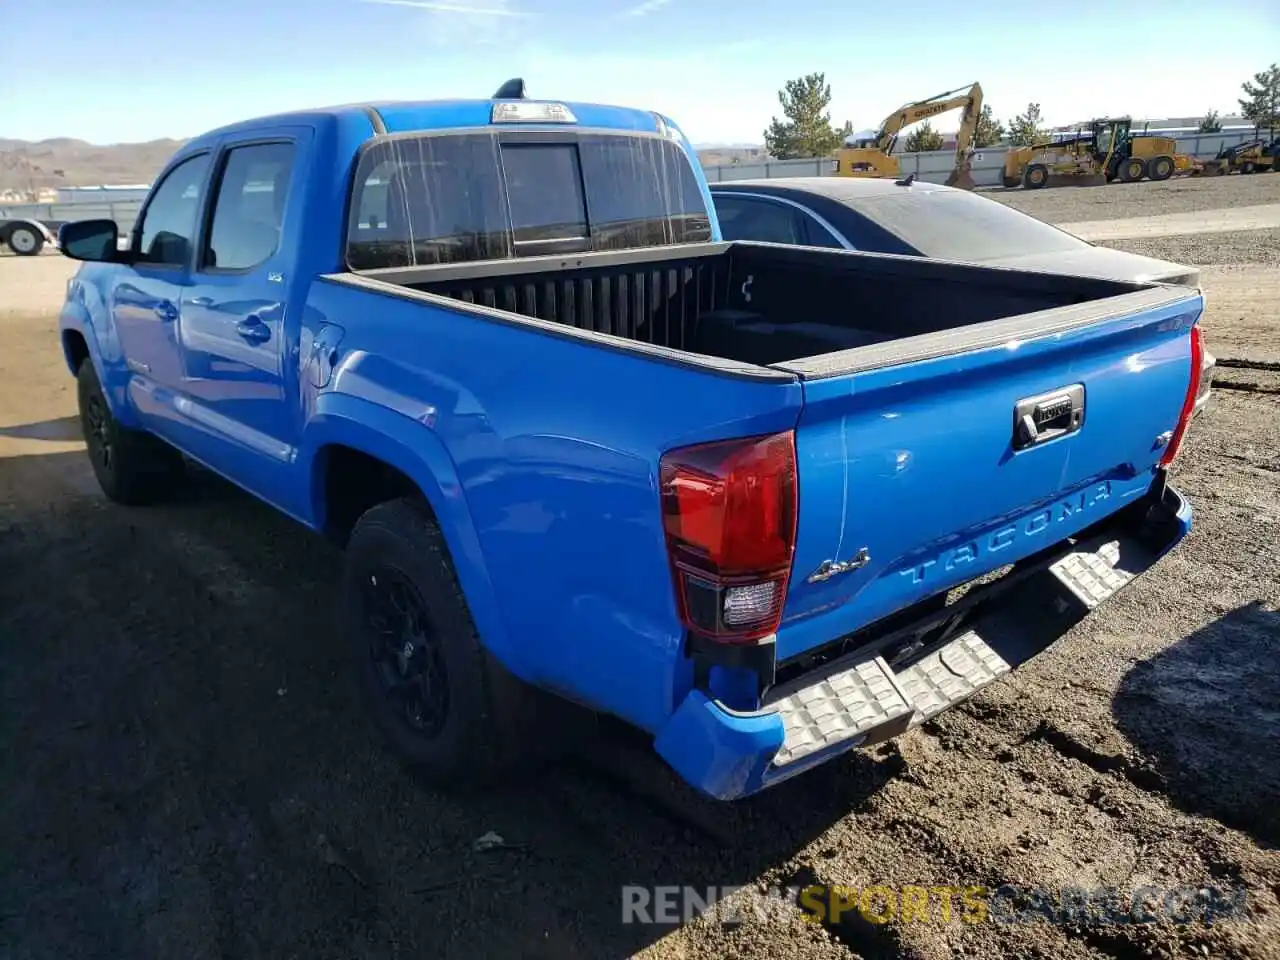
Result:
[{"x": 1038, "y": 523}]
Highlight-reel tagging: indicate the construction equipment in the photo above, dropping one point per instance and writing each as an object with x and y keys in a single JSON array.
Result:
[
  {"x": 871, "y": 156},
  {"x": 1252, "y": 156},
  {"x": 1108, "y": 151}
]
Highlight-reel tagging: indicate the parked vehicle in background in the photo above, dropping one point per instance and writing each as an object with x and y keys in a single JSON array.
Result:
[
  {"x": 1251, "y": 156},
  {"x": 1109, "y": 150},
  {"x": 575, "y": 446},
  {"x": 921, "y": 220},
  {"x": 873, "y": 156},
  {"x": 27, "y": 236}
]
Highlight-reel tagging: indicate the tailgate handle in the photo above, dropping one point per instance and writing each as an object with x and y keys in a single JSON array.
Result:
[{"x": 1047, "y": 416}]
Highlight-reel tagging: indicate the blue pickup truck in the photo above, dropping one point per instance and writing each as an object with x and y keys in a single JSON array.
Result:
[{"x": 766, "y": 503}]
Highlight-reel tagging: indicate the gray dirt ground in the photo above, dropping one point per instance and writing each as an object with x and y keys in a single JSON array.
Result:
[
  {"x": 1179, "y": 195},
  {"x": 185, "y": 770},
  {"x": 1260, "y": 247}
]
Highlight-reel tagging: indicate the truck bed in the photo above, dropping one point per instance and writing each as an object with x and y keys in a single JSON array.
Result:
[{"x": 764, "y": 304}]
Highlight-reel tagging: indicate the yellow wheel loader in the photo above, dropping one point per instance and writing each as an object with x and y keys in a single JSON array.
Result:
[{"x": 872, "y": 156}]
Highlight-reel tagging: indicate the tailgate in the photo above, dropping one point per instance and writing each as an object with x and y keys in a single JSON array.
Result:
[{"x": 967, "y": 451}]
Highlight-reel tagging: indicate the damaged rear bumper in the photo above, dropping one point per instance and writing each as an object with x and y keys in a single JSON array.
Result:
[{"x": 859, "y": 699}]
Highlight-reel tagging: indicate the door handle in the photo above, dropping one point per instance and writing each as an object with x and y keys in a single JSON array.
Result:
[
  {"x": 165, "y": 310},
  {"x": 201, "y": 301},
  {"x": 253, "y": 329}
]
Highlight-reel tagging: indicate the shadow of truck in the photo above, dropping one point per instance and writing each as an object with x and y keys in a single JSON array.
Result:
[{"x": 1206, "y": 714}]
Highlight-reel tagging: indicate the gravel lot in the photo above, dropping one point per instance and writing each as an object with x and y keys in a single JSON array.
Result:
[
  {"x": 1143, "y": 199},
  {"x": 1237, "y": 248},
  {"x": 186, "y": 770}
]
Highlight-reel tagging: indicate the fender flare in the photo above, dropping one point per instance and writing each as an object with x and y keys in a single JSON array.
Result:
[
  {"x": 39, "y": 228},
  {"x": 104, "y": 354},
  {"x": 418, "y": 453}
]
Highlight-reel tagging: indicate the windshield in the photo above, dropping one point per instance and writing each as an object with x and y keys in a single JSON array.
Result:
[
  {"x": 496, "y": 194},
  {"x": 957, "y": 225}
]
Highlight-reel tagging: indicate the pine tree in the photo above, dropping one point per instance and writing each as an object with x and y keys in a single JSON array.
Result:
[
  {"x": 1262, "y": 105},
  {"x": 806, "y": 131},
  {"x": 1025, "y": 129},
  {"x": 988, "y": 131},
  {"x": 923, "y": 139}
]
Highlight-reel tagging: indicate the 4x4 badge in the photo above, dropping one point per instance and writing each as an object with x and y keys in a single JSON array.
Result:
[{"x": 833, "y": 568}]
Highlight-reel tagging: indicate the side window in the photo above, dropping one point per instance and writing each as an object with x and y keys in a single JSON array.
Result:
[
  {"x": 746, "y": 218},
  {"x": 816, "y": 235},
  {"x": 249, "y": 212},
  {"x": 169, "y": 223}
]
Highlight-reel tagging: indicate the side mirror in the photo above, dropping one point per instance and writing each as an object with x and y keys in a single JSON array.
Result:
[{"x": 94, "y": 240}]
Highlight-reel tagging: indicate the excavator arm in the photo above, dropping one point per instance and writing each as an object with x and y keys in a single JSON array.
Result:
[
  {"x": 968, "y": 97},
  {"x": 866, "y": 158}
]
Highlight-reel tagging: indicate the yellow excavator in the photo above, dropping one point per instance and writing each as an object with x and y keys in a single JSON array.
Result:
[{"x": 872, "y": 156}]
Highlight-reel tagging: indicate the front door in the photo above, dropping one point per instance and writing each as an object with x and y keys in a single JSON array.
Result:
[
  {"x": 234, "y": 340},
  {"x": 145, "y": 298}
]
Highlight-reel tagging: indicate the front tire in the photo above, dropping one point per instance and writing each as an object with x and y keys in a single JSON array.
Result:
[
  {"x": 437, "y": 696},
  {"x": 131, "y": 467}
]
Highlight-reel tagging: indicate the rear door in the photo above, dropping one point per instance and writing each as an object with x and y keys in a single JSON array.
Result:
[{"x": 920, "y": 475}]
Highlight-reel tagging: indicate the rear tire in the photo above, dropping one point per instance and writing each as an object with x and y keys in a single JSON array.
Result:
[
  {"x": 132, "y": 467},
  {"x": 1160, "y": 168},
  {"x": 439, "y": 699},
  {"x": 1035, "y": 176},
  {"x": 1132, "y": 170}
]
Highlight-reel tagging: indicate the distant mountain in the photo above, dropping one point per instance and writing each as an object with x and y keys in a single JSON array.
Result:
[{"x": 64, "y": 162}]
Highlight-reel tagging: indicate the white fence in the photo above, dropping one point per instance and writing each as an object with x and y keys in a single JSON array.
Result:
[{"x": 935, "y": 165}]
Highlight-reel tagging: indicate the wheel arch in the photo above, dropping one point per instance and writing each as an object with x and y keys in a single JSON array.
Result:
[
  {"x": 7, "y": 228},
  {"x": 346, "y": 431}
]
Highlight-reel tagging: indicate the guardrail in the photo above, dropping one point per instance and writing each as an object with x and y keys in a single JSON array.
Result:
[{"x": 936, "y": 164}]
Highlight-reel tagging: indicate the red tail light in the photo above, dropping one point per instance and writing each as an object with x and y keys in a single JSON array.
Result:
[
  {"x": 729, "y": 511},
  {"x": 1188, "y": 404}
]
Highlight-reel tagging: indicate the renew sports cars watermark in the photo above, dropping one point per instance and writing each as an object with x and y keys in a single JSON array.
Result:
[{"x": 971, "y": 904}]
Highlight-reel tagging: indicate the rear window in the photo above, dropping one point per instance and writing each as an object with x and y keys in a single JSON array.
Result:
[
  {"x": 957, "y": 225},
  {"x": 491, "y": 195}
]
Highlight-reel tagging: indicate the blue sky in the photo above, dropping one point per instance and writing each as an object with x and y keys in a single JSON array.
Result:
[{"x": 138, "y": 69}]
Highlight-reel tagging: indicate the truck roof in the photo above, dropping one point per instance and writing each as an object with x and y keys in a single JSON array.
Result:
[{"x": 407, "y": 116}]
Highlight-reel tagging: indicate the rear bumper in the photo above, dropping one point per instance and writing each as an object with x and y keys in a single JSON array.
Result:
[{"x": 860, "y": 700}]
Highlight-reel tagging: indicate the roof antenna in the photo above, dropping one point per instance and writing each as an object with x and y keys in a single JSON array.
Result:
[
  {"x": 513, "y": 89},
  {"x": 907, "y": 181}
]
